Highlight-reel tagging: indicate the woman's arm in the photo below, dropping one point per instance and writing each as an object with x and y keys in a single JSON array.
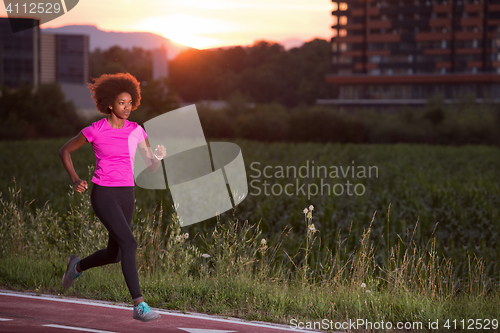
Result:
[
  {"x": 64, "y": 154},
  {"x": 152, "y": 163}
]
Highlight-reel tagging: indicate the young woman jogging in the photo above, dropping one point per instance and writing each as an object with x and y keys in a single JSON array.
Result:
[{"x": 114, "y": 140}]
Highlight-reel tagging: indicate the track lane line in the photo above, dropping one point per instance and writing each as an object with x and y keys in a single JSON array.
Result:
[{"x": 82, "y": 329}]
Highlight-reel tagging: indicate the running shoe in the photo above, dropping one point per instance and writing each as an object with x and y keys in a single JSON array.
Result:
[
  {"x": 143, "y": 312},
  {"x": 70, "y": 275}
]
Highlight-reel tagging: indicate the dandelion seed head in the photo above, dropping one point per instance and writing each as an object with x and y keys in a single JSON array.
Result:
[
  {"x": 311, "y": 208},
  {"x": 186, "y": 235},
  {"x": 305, "y": 210},
  {"x": 263, "y": 242},
  {"x": 205, "y": 255},
  {"x": 363, "y": 285},
  {"x": 368, "y": 292}
]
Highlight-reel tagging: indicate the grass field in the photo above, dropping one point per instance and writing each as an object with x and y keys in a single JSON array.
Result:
[{"x": 422, "y": 237}]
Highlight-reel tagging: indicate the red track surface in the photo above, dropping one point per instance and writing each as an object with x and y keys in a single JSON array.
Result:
[{"x": 25, "y": 313}]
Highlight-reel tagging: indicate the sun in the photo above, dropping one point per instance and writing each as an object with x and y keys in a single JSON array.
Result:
[{"x": 188, "y": 30}]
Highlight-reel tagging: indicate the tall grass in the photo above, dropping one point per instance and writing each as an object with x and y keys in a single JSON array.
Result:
[
  {"x": 409, "y": 240},
  {"x": 237, "y": 249},
  {"x": 452, "y": 192}
]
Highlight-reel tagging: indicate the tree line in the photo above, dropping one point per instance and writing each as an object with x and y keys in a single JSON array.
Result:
[
  {"x": 283, "y": 86},
  {"x": 261, "y": 73}
]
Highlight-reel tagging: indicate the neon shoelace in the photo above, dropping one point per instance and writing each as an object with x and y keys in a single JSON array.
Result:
[{"x": 143, "y": 308}]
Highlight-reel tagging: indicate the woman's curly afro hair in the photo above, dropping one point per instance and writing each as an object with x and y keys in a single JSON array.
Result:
[{"x": 107, "y": 87}]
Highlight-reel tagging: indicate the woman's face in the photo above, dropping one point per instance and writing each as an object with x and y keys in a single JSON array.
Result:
[{"x": 122, "y": 105}]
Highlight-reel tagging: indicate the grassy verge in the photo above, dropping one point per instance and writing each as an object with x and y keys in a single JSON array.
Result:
[
  {"x": 248, "y": 298},
  {"x": 291, "y": 265},
  {"x": 244, "y": 276}
]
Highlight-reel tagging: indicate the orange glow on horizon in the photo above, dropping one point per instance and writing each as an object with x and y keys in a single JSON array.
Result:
[
  {"x": 207, "y": 23},
  {"x": 188, "y": 30}
]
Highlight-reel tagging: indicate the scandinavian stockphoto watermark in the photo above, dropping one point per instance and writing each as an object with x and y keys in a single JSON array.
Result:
[
  {"x": 357, "y": 324},
  {"x": 310, "y": 179},
  {"x": 204, "y": 178}
]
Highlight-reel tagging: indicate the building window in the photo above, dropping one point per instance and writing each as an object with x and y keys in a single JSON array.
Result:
[
  {"x": 345, "y": 60},
  {"x": 443, "y": 44},
  {"x": 343, "y": 20},
  {"x": 335, "y": 6},
  {"x": 335, "y": 20},
  {"x": 343, "y": 6},
  {"x": 345, "y": 71},
  {"x": 342, "y": 32}
]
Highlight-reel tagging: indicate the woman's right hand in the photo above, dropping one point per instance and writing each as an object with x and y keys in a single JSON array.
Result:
[{"x": 80, "y": 185}]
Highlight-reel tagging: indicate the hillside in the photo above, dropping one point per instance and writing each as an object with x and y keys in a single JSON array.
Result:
[{"x": 105, "y": 39}]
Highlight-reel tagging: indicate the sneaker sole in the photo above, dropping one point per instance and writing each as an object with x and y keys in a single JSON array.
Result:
[
  {"x": 146, "y": 320},
  {"x": 73, "y": 256}
]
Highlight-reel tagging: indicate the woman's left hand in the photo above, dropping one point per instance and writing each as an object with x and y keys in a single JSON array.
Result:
[{"x": 160, "y": 152}]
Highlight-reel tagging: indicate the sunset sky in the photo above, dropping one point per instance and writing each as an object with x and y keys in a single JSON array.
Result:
[{"x": 206, "y": 23}]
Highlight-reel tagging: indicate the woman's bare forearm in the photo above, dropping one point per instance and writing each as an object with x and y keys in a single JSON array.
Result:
[
  {"x": 65, "y": 157},
  {"x": 155, "y": 164},
  {"x": 66, "y": 150}
]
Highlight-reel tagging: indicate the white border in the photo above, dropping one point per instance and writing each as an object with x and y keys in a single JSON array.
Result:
[{"x": 77, "y": 328}]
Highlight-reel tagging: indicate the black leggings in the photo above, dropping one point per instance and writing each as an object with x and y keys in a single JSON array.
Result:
[{"x": 114, "y": 206}]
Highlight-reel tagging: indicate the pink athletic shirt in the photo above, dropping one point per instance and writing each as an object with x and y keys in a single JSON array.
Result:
[{"x": 114, "y": 151}]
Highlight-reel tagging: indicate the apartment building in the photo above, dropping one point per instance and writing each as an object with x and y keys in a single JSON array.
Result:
[{"x": 404, "y": 51}]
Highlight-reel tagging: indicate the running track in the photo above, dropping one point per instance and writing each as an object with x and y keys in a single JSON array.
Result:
[{"x": 26, "y": 312}]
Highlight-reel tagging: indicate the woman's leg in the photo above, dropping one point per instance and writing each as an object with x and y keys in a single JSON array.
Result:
[
  {"x": 114, "y": 206},
  {"x": 102, "y": 257}
]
